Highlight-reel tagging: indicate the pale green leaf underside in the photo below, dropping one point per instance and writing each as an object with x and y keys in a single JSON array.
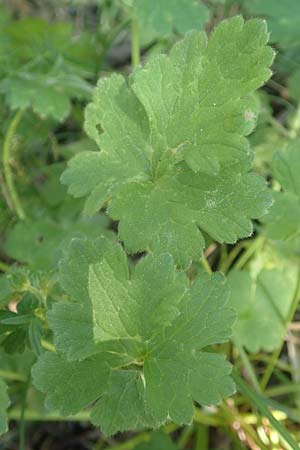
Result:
[
  {"x": 134, "y": 341},
  {"x": 162, "y": 17},
  {"x": 262, "y": 305},
  {"x": 174, "y": 158},
  {"x": 4, "y": 404}
]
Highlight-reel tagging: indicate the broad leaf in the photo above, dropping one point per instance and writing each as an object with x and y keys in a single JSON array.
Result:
[
  {"x": 174, "y": 158},
  {"x": 262, "y": 304},
  {"x": 283, "y": 221},
  {"x": 282, "y": 17},
  {"x": 133, "y": 341},
  {"x": 162, "y": 17}
]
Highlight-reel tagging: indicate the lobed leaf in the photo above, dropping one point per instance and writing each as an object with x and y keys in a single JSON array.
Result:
[
  {"x": 133, "y": 342},
  {"x": 174, "y": 159}
]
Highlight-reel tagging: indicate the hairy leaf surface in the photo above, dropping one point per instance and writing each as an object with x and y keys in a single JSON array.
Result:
[
  {"x": 132, "y": 342},
  {"x": 174, "y": 158}
]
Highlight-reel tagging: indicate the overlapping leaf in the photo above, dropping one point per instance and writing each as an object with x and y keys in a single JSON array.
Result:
[
  {"x": 283, "y": 220},
  {"x": 174, "y": 157},
  {"x": 282, "y": 17},
  {"x": 162, "y": 17},
  {"x": 45, "y": 71},
  {"x": 4, "y": 404},
  {"x": 49, "y": 95},
  {"x": 133, "y": 343},
  {"x": 262, "y": 304},
  {"x": 40, "y": 243}
]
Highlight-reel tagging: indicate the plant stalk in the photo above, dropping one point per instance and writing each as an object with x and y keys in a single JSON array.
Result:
[
  {"x": 8, "y": 175},
  {"x": 135, "y": 44},
  {"x": 269, "y": 370}
]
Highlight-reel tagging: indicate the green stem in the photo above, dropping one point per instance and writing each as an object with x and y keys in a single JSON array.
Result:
[
  {"x": 202, "y": 438},
  {"x": 259, "y": 402},
  {"x": 35, "y": 416},
  {"x": 283, "y": 389},
  {"x": 185, "y": 436},
  {"x": 135, "y": 45},
  {"x": 266, "y": 359},
  {"x": 225, "y": 265},
  {"x": 9, "y": 179},
  {"x": 242, "y": 261},
  {"x": 248, "y": 366},
  {"x": 286, "y": 133},
  {"x": 232, "y": 416},
  {"x": 206, "y": 265},
  {"x": 10, "y": 375},
  {"x": 269, "y": 370},
  {"x": 212, "y": 420}
]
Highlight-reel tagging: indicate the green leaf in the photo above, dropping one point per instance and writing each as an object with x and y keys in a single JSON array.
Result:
[
  {"x": 35, "y": 332},
  {"x": 133, "y": 341},
  {"x": 49, "y": 95},
  {"x": 43, "y": 67},
  {"x": 6, "y": 290},
  {"x": 174, "y": 159},
  {"x": 4, "y": 404},
  {"x": 40, "y": 243},
  {"x": 262, "y": 304},
  {"x": 283, "y": 220},
  {"x": 162, "y": 17},
  {"x": 282, "y": 18}
]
